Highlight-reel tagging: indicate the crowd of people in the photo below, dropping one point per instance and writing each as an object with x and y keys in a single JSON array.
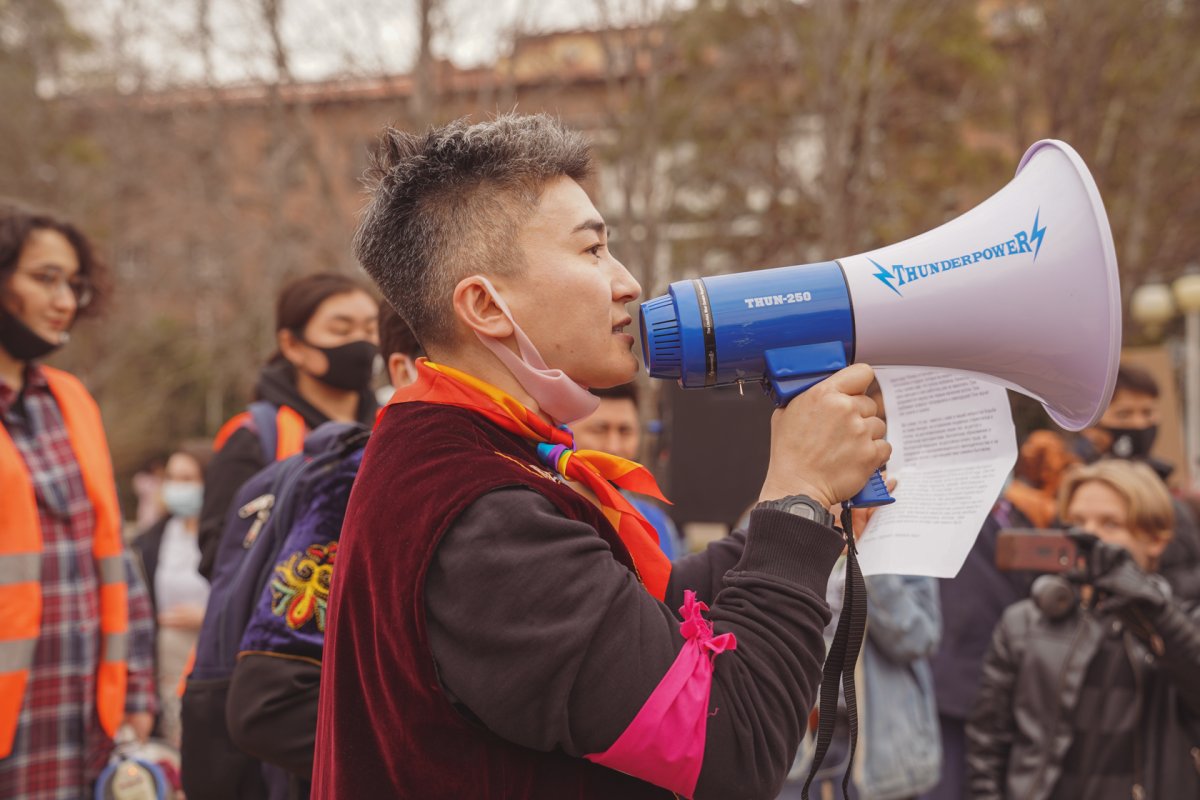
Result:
[{"x": 465, "y": 586}]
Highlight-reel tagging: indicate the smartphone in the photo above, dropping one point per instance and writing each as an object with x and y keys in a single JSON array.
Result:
[{"x": 1035, "y": 550}]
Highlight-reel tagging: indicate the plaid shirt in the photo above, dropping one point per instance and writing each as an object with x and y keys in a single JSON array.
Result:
[{"x": 60, "y": 747}]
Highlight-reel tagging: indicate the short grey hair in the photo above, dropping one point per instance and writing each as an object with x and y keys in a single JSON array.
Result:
[{"x": 451, "y": 202}]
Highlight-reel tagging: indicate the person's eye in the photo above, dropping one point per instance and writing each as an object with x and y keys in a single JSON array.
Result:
[
  {"x": 47, "y": 279},
  {"x": 595, "y": 249}
]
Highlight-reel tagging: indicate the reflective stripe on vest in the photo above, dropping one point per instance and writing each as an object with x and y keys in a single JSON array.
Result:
[
  {"x": 20, "y": 568},
  {"x": 21, "y": 554}
]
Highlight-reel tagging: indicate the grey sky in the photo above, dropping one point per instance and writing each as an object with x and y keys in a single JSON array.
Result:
[{"x": 155, "y": 42}]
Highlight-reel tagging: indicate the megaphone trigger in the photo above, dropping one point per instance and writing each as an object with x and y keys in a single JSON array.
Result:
[{"x": 792, "y": 370}]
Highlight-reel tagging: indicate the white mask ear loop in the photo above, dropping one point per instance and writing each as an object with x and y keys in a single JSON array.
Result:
[{"x": 555, "y": 392}]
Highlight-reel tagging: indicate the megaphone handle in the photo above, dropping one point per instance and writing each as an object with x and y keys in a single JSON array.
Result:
[
  {"x": 792, "y": 370},
  {"x": 875, "y": 493}
]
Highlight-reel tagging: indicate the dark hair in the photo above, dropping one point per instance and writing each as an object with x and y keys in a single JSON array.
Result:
[
  {"x": 1135, "y": 380},
  {"x": 300, "y": 298},
  {"x": 394, "y": 334},
  {"x": 626, "y": 391},
  {"x": 451, "y": 202},
  {"x": 18, "y": 223}
]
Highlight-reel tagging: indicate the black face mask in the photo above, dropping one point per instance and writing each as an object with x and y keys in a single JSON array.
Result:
[
  {"x": 351, "y": 365},
  {"x": 1134, "y": 443},
  {"x": 20, "y": 342}
]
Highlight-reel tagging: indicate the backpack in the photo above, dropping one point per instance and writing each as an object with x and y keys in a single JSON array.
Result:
[
  {"x": 280, "y": 429},
  {"x": 262, "y": 515}
]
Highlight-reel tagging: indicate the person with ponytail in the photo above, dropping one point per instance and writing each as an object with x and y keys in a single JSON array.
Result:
[
  {"x": 72, "y": 611},
  {"x": 327, "y": 333}
]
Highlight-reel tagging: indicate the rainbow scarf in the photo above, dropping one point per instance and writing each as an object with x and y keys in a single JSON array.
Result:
[{"x": 602, "y": 473}]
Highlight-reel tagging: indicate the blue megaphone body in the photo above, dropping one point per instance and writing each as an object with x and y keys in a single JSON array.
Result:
[
  {"x": 759, "y": 338},
  {"x": 1021, "y": 290},
  {"x": 788, "y": 328}
]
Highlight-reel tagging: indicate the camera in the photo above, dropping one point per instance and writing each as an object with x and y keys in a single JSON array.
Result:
[
  {"x": 1062, "y": 558},
  {"x": 1044, "y": 550}
]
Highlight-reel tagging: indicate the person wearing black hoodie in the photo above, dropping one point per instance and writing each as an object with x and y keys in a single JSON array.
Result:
[{"x": 327, "y": 329}]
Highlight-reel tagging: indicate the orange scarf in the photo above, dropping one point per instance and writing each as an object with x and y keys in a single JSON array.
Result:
[{"x": 597, "y": 471}]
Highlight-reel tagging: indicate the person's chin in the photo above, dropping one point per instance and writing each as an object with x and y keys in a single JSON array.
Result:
[
  {"x": 51, "y": 334},
  {"x": 622, "y": 371}
]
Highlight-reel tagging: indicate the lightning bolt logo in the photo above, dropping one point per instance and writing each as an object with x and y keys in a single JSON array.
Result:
[
  {"x": 884, "y": 276},
  {"x": 1037, "y": 233}
]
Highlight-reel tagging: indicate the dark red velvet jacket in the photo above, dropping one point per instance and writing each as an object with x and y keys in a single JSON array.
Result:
[{"x": 385, "y": 727}]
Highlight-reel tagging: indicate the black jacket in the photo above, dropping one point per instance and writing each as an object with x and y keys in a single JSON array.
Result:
[
  {"x": 242, "y": 455},
  {"x": 147, "y": 546},
  {"x": 1021, "y": 727},
  {"x": 972, "y": 603}
]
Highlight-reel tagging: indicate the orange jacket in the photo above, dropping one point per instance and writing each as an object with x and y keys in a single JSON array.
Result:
[{"x": 21, "y": 562}]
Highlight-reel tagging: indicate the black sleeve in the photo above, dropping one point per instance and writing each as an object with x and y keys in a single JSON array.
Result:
[
  {"x": 704, "y": 573},
  {"x": 992, "y": 726},
  {"x": 272, "y": 709},
  {"x": 556, "y": 645},
  {"x": 146, "y": 547},
  {"x": 1180, "y": 561},
  {"x": 232, "y": 466},
  {"x": 1179, "y": 631}
]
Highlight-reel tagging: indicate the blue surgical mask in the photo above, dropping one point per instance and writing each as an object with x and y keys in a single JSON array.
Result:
[{"x": 183, "y": 498}]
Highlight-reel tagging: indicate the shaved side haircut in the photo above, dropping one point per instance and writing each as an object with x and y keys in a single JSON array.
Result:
[{"x": 451, "y": 202}]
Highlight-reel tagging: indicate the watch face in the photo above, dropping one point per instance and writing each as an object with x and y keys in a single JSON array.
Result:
[{"x": 803, "y": 508}]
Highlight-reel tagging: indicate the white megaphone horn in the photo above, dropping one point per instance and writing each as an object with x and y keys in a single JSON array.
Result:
[
  {"x": 1037, "y": 310},
  {"x": 1022, "y": 290}
]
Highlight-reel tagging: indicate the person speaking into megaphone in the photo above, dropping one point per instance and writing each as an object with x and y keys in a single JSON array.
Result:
[{"x": 502, "y": 621}]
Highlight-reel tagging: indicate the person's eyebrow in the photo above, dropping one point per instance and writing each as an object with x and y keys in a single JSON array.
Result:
[{"x": 590, "y": 225}]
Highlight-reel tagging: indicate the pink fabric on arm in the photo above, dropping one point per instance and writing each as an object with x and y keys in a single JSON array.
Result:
[{"x": 664, "y": 744}]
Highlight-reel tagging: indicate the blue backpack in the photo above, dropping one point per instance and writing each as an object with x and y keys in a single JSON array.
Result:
[{"x": 263, "y": 513}]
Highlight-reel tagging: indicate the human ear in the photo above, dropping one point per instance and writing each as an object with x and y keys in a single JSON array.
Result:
[
  {"x": 477, "y": 308},
  {"x": 290, "y": 346},
  {"x": 401, "y": 370}
]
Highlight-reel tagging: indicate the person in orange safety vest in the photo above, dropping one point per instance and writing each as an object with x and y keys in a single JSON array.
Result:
[{"x": 69, "y": 602}]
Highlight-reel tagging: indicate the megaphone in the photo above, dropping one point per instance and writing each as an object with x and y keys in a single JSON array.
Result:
[{"x": 1022, "y": 290}]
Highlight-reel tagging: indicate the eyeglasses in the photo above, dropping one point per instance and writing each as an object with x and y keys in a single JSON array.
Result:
[{"x": 52, "y": 282}]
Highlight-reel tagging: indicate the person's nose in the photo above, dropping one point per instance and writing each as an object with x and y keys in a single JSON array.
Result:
[
  {"x": 63, "y": 300},
  {"x": 626, "y": 289}
]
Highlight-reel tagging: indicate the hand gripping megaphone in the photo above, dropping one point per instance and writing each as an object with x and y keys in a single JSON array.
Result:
[{"x": 1022, "y": 291}]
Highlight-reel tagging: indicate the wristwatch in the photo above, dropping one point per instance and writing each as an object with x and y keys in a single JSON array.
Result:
[{"x": 802, "y": 506}]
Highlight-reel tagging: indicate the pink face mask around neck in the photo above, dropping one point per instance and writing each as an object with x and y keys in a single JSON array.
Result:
[{"x": 564, "y": 400}]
